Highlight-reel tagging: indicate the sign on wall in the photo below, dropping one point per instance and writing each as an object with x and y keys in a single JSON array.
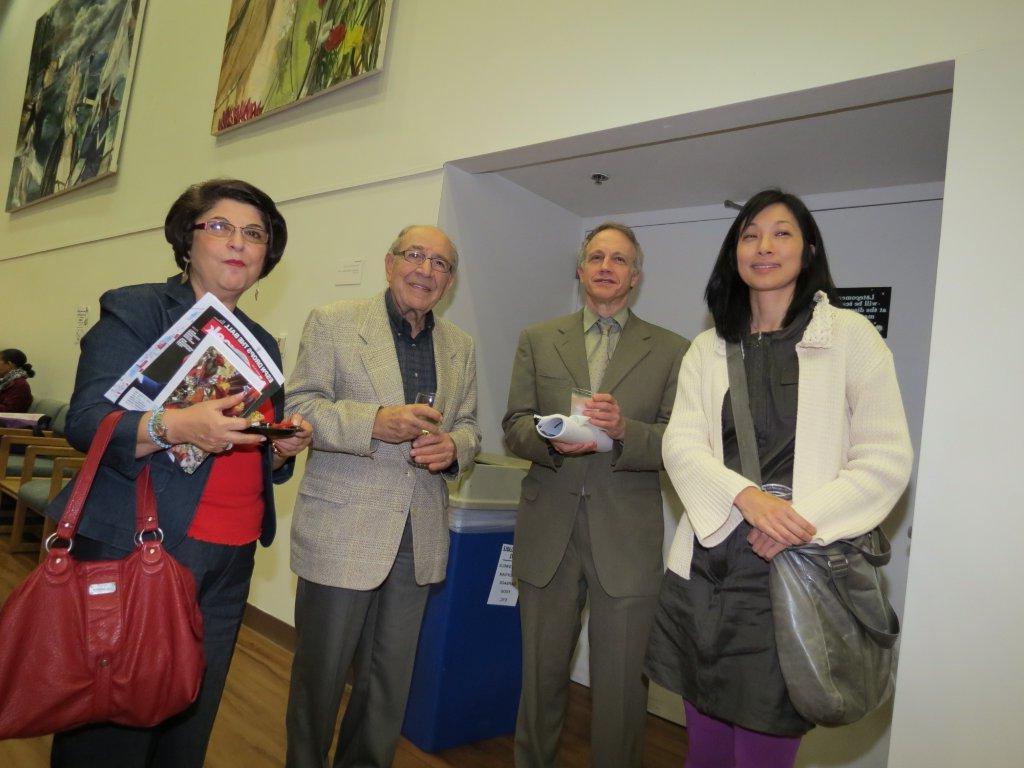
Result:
[
  {"x": 79, "y": 79},
  {"x": 873, "y": 303},
  {"x": 278, "y": 53}
]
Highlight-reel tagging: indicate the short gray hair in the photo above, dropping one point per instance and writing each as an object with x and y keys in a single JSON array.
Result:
[
  {"x": 627, "y": 232},
  {"x": 408, "y": 228}
]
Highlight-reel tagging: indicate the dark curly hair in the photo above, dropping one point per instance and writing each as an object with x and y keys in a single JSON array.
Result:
[
  {"x": 200, "y": 198},
  {"x": 728, "y": 297}
]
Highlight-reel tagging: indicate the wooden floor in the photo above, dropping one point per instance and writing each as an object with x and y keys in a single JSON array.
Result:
[{"x": 250, "y": 725}]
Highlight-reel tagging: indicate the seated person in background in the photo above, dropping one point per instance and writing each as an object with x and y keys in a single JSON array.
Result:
[{"x": 15, "y": 371}]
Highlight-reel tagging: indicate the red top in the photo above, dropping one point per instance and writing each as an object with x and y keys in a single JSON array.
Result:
[
  {"x": 16, "y": 397},
  {"x": 231, "y": 508}
]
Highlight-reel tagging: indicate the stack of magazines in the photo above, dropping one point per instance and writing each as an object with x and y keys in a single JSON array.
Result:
[{"x": 207, "y": 354}]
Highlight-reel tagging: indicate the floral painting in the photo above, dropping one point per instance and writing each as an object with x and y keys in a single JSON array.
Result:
[
  {"x": 280, "y": 52},
  {"x": 79, "y": 77}
]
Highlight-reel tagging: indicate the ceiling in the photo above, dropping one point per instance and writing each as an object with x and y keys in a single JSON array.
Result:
[{"x": 897, "y": 142}]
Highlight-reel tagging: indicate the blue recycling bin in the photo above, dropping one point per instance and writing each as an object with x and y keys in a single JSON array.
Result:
[{"x": 466, "y": 681}]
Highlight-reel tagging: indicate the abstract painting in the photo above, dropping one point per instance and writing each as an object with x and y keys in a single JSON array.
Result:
[
  {"x": 76, "y": 97},
  {"x": 278, "y": 53}
]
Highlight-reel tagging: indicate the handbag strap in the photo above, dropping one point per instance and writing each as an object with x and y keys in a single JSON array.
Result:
[
  {"x": 739, "y": 398},
  {"x": 838, "y": 568},
  {"x": 146, "y": 519},
  {"x": 835, "y": 560},
  {"x": 838, "y": 564},
  {"x": 877, "y": 556}
]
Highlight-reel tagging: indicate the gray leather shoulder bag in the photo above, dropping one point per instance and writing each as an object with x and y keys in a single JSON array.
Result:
[{"x": 834, "y": 627}]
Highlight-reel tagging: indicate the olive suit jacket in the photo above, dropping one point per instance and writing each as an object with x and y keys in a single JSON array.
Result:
[
  {"x": 621, "y": 487},
  {"x": 357, "y": 491}
]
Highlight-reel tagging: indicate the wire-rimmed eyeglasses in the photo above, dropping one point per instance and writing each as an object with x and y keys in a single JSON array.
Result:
[
  {"x": 417, "y": 257},
  {"x": 225, "y": 229}
]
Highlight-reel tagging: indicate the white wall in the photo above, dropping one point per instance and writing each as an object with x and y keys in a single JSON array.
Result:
[
  {"x": 522, "y": 259},
  {"x": 465, "y": 78},
  {"x": 958, "y": 695}
]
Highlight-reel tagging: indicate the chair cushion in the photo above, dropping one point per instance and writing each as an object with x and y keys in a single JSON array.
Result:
[
  {"x": 47, "y": 405},
  {"x": 34, "y": 493},
  {"x": 43, "y": 466},
  {"x": 57, "y": 425}
]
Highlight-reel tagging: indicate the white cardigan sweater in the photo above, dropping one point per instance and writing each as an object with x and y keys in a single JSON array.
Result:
[{"x": 853, "y": 454}]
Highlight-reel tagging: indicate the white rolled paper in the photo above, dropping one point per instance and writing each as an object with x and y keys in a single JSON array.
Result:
[{"x": 573, "y": 429}]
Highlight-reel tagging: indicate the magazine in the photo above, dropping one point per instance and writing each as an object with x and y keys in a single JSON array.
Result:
[
  {"x": 139, "y": 388},
  {"x": 208, "y": 354},
  {"x": 213, "y": 371}
]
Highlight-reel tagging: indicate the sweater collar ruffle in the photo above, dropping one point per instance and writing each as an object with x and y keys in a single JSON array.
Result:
[
  {"x": 818, "y": 334},
  {"x": 819, "y": 330}
]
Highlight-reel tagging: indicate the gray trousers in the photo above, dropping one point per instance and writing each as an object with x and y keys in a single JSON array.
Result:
[
  {"x": 551, "y": 618},
  {"x": 377, "y": 631}
]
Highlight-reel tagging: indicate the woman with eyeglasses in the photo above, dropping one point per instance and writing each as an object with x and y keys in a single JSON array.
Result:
[
  {"x": 225, "y": 234},
  {"x": 834, "y": 453}
]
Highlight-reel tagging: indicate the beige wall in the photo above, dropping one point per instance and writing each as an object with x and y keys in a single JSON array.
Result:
[{"x": 464, "y": 78}]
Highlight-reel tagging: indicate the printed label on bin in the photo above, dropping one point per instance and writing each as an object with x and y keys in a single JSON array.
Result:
[{"x": 503, "y": 589}]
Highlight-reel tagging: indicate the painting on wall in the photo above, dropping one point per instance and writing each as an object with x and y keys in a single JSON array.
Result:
[
  {"x": 278, "y": 53},
  {"x": 76, "y": 97}
]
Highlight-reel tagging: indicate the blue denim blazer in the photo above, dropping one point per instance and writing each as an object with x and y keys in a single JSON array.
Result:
[{"x": 131, "y": 319}]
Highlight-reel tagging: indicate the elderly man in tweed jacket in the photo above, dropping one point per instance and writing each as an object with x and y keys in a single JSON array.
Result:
[{"x": 369, "y": 533}]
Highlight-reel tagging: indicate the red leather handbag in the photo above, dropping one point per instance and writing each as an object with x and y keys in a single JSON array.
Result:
[{"x": 104, "y": 641}]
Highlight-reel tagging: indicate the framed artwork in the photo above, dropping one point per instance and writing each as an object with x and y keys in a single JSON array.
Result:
[
  {"x": 79, "y": 79},
  {"x": 278, "y": 53}
]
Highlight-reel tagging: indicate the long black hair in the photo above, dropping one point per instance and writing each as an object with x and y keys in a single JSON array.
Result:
[{"x": 728, "y": 297}]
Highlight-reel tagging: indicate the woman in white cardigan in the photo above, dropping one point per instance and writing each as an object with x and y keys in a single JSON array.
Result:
[{"x": 829, "y": 424}]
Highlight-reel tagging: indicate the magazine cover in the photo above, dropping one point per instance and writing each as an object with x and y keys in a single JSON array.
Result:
[
  {"x": 207, "y": 354},
  {"x": 139, "y": 388},
  {"x": 213, "y": 371}
]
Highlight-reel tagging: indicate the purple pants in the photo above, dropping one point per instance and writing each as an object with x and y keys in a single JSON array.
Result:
[{"x": 718, "y": 744}]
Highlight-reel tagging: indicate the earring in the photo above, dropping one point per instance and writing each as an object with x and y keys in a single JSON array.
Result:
[
  {"x": 184, "y": 272},
  {"x": 257, "y": 291}
]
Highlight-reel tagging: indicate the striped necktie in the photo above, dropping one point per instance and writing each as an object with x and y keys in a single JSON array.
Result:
[{"x": 598, "y": 361}]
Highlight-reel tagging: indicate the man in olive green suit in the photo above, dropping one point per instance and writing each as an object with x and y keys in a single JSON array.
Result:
[{"x": 591, "y": 522}]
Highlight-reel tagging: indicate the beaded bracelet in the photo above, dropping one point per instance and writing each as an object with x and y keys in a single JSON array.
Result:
[{"x": 156, "y": 429}]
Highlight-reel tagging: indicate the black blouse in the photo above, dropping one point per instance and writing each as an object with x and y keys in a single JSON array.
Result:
[{"x": 773, "y": 372}]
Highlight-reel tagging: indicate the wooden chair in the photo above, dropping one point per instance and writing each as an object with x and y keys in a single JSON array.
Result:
[
  {"x": 12, "y": 450},
  {"x": 36, "y": 493},
  {"x": 36, "y": 463}
]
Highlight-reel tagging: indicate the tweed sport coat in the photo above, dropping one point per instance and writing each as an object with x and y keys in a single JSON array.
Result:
[
  {"x": 357, "y": 491},
  {"x": 622, "y": 486}
]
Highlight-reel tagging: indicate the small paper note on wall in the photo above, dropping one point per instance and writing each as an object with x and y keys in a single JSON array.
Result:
[
  {"x": 350, "y": 272},
  {"x": 503, "y": 589}
]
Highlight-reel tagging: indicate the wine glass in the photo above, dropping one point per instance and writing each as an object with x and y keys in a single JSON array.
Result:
[
  {"x": 431, "y": 399},
  {"x": 578, "y": 399}
]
